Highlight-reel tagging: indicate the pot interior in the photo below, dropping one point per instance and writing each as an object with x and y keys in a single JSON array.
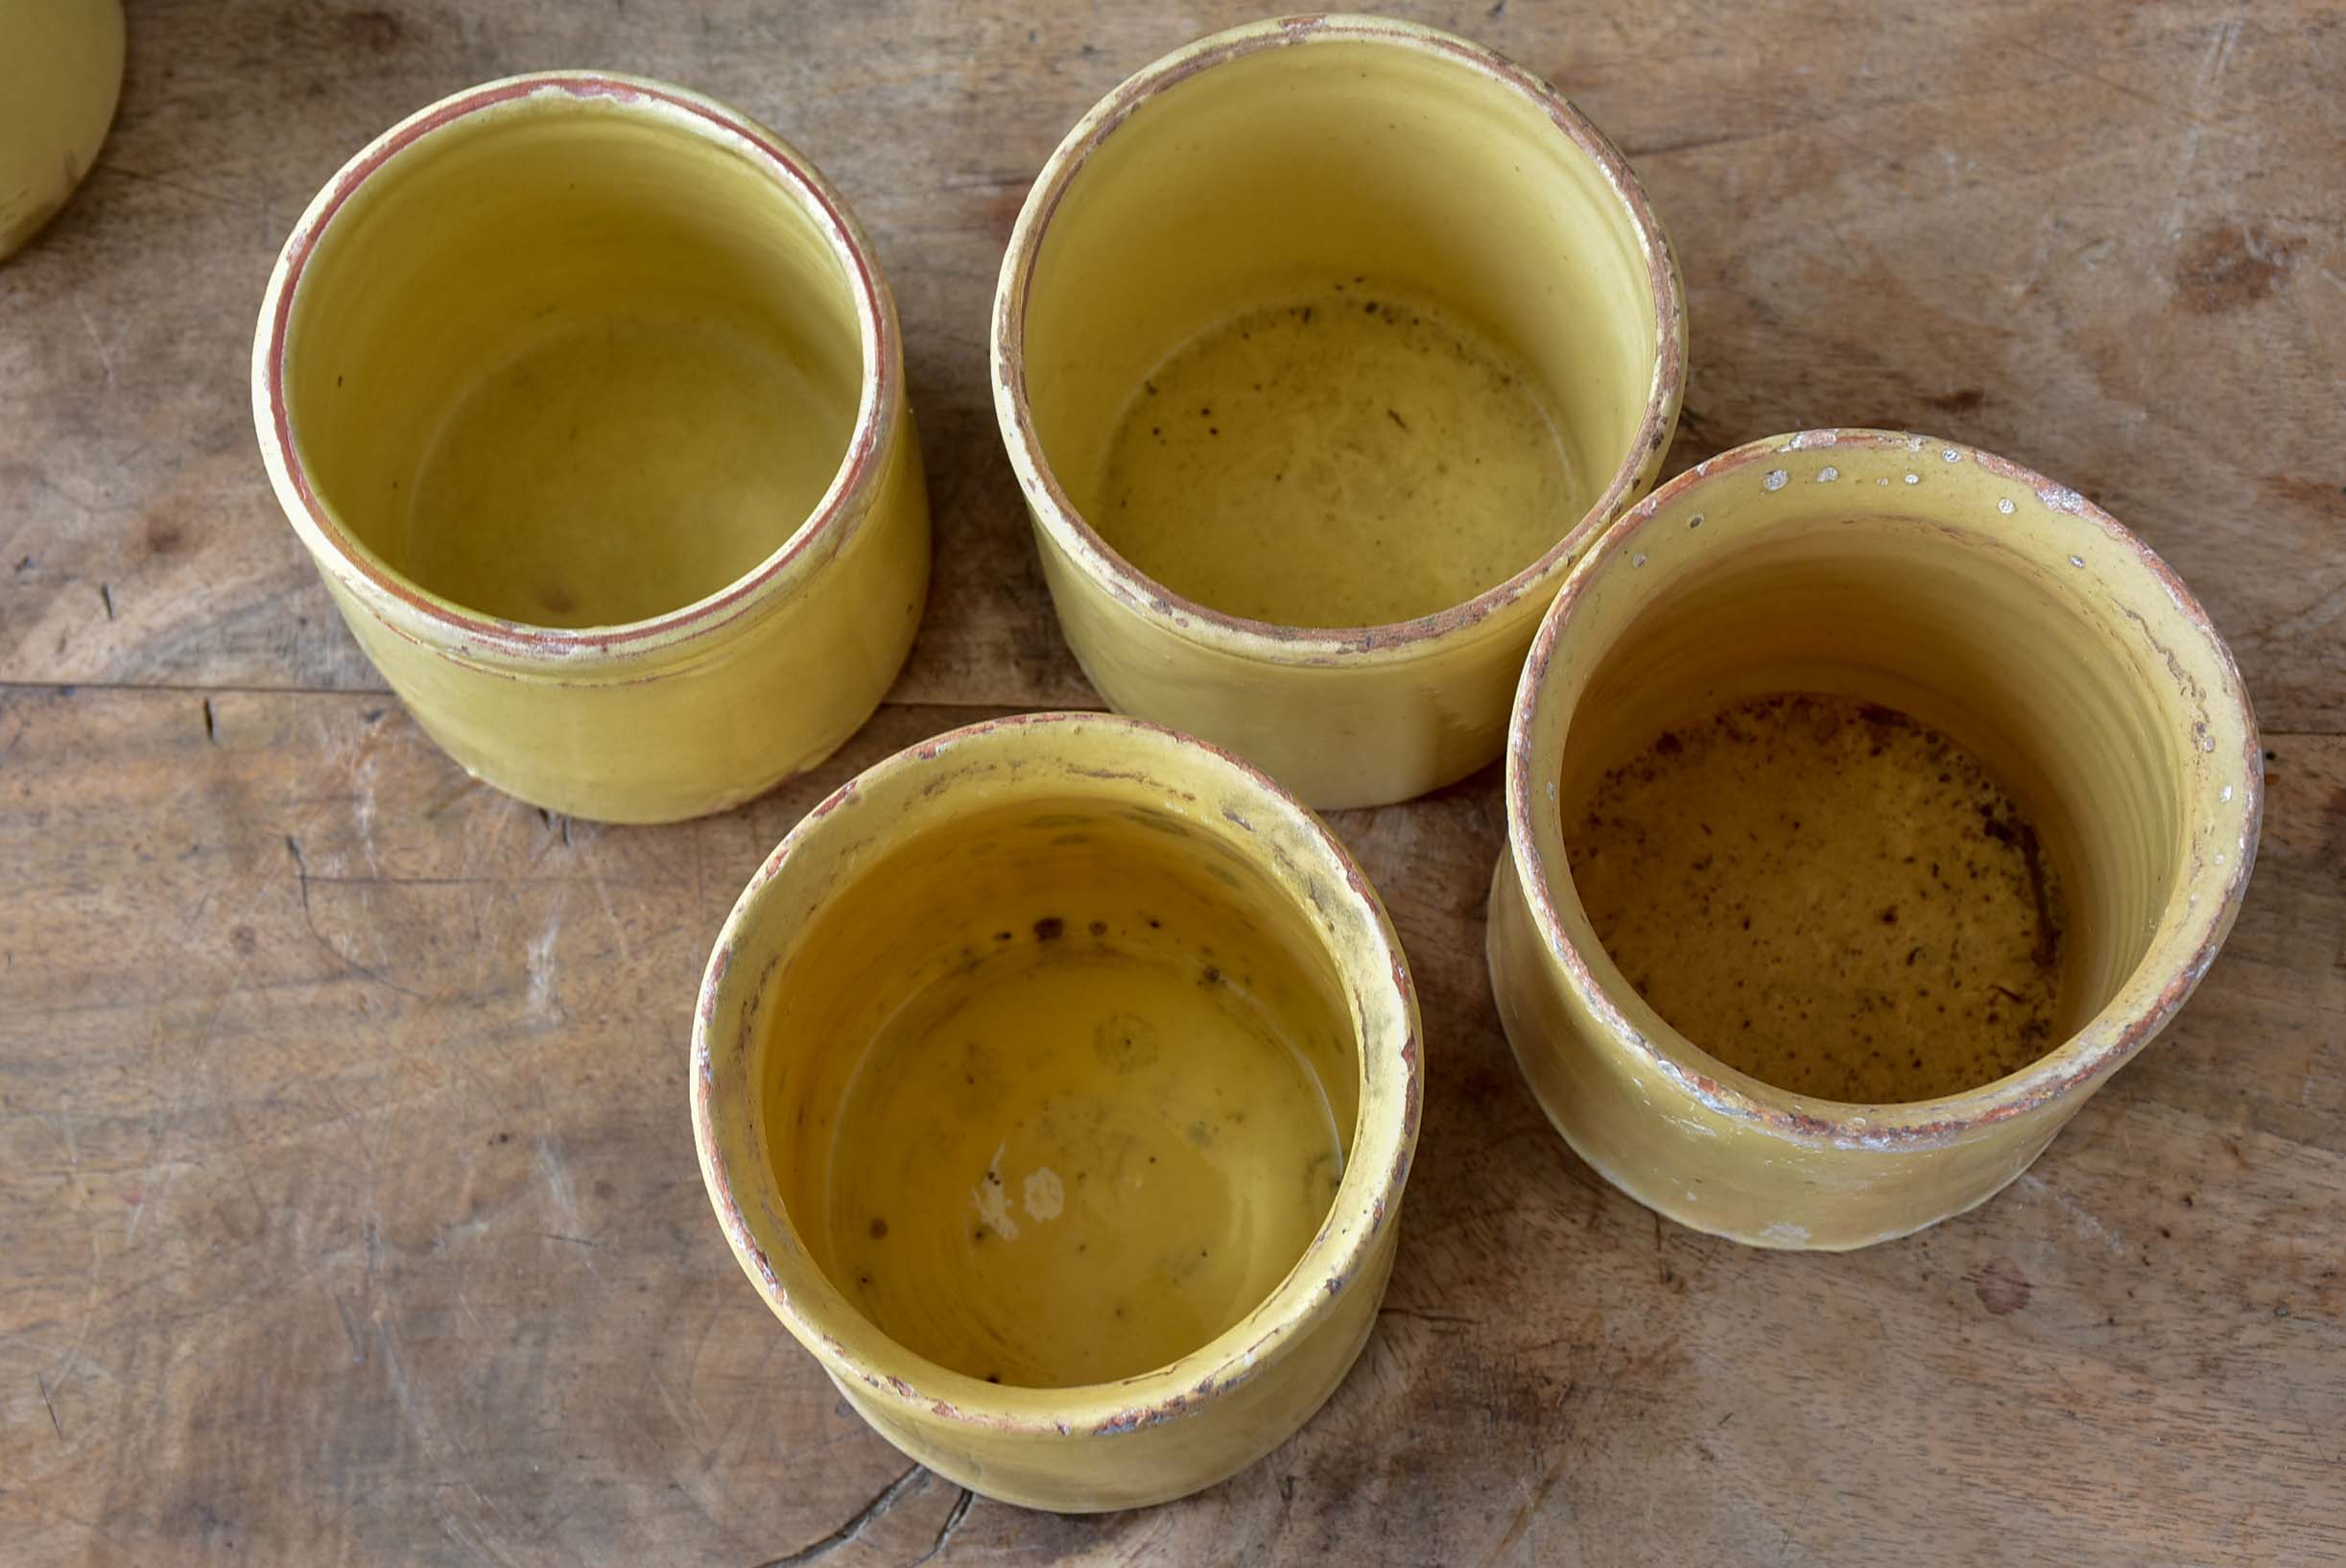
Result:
[
  {"x": 1338, "y": 334},
  {"x": 567, "y": 362},
  {"x": 1869, "y": 807},
  {"x": 1056, "y": 1092}
]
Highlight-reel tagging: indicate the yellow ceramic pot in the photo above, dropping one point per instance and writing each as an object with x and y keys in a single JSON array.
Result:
[
  {"x": 585, "y": 394},
  {"x": 1976, "y": 598},
  {"x": 61, "y": 73},
  {"x": 1322, "y": 348},
  {"x": 1055, "y": 1082}
]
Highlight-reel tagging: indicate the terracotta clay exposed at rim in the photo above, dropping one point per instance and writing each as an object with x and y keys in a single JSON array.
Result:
[
  {"x": 833, "y": 520},
  {"x": 1928, "y": 1123},
  {"x": 1264, "y": 639}
]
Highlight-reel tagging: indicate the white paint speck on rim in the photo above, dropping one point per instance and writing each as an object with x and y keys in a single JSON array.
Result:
[
  {"x": 2004, "y": 505},
  {"x": 1775, "y": 479},
  {"x": 1951, "y": 455},
  {"x": 1827, "y": 474},
  {"x": 2225, "y": 794},
  {"x": 1883, "y": 480},
  {"x": 1914, "y": 479},
  {"x": 1637, "y": 558},
  {"x": 2076, "y": 560}
]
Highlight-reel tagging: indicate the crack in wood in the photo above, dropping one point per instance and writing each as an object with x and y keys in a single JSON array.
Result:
[
  {"x": 886, "y": 1499},
  {"x": 944, "y": 1532}
]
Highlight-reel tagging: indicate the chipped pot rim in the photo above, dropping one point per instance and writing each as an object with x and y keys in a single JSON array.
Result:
[
  {"x": 2143, "y": 1002},
  {"x": 1371, "y": 968},
  {"x": 522, "y": 647},
  {"x": 1268, "y": 641}
]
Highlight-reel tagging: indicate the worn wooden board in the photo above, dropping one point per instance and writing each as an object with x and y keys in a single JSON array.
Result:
[{"x": 347, "y": 1203}]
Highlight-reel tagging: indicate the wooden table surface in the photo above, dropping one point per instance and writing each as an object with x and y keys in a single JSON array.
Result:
[{"x": 348, "y": 1210}]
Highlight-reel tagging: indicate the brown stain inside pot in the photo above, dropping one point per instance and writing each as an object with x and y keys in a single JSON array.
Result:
[
  {"x": 1348, "y": 458},
  {"x": 1827, "y": 895}
]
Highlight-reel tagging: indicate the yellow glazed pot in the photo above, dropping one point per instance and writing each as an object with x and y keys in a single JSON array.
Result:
[
  {"x": 585, "y": 394},
  {"x": 1322, "y": 348},
  {"x": 61, "y": 73},
  {"x": 1055, "y": 1082},
  {"x": 1950, "y": 587}
]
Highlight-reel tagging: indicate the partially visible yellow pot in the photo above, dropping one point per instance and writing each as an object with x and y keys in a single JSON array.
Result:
[
  {"x": 1997, "y": 608},
  {"x": 1055, "y": 1082},
  {"x": 61, "y": 73},
  {"x": 585, "y": 394},
  {"x": 1199, "y": 210}
]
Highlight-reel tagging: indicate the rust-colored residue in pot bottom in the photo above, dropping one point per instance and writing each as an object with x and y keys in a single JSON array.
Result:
[{"x": 1827, "y": 895}]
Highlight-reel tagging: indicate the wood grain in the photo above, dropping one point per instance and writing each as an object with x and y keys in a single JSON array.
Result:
[{"x": 349, "y": 1211}]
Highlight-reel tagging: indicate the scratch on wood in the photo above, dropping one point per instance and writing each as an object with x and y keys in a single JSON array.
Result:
[
  {"x": 2086, "y": 1221},
  {"x": 350, "y": 1330},
  {"x": 42, "y": 1385},
  {"x": 301, "y": 877},
  {"x": 1455, "y": 1320},
  {"x": 594, "y": 873},
  {"x": 542, "y": 958},
  {"x": 1530, "y": 1509},
  {"x": 565, "y": 1201},
  {"x": 105, "y": 357}
]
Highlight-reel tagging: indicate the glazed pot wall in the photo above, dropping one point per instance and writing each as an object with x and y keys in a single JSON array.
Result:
[
  {"x": 1987, "y": 603},
  {"x": 1276, "y": 159},
  {"x": 980, "y": 809},
  {"x": 587, "y": 402},
  {"x": 1642, "y": 1127},
  {"x": 1096, "y": 1473},
  {"x": 699, "y": 729},
  {"x": 61, "y": 73},
  {"x": 1339, "y": 734}
]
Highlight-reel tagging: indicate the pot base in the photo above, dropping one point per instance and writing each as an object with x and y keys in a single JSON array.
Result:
[
  {"x": 621, "y": 468},
  {"x": 1123, "y": 1155},
  {"x": 1827, "y": 895},
  {"x": 1079, "y": 1115},
  {"x": 1351, "y": 456}
]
